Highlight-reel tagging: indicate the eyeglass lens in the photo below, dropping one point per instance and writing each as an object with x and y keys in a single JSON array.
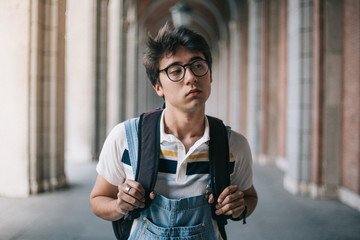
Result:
[{"x": 177, "y": 72}]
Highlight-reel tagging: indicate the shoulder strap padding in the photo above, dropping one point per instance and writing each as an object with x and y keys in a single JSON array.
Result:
[
  {"x": 219, "y": 165},
  {"x": 218, "y": 155},
  {"x": 149, "y": 151}
]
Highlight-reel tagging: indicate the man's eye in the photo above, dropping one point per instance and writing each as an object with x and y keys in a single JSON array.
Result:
[
  {"x": 197, "y": 66},
  {"x": 175, "y": 71}
]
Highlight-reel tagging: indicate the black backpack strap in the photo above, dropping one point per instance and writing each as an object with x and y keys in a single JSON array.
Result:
[
  {"x": 122, "y": 228},
  {"x": 147, "y": 167},
  {"x": 219, "y": 166},
  {"x": 149, "y": 152},
  {"x": 148, "y": 155}
]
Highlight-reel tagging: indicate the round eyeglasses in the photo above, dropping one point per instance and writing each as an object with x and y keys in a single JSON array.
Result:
[{"x": 176, "y": 72}]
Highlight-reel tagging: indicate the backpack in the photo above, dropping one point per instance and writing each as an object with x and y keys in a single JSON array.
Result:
[{"x": 148, "y": 143}]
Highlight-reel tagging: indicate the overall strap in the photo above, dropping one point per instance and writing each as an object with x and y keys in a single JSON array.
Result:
[
  {"x": 219, "y": 166},
  {"x": 131, "y": 130},
  {"x": 122, "y": 227}
]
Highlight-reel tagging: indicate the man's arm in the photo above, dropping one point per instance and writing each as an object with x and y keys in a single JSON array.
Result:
[
  {"x": 113, "y": 202},
  {"x": 251, "y": 199}
]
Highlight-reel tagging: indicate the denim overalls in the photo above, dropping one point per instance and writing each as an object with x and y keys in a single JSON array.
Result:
[
  {"x": 170, "y": 219},
  {"x": 188, "y": 219}
]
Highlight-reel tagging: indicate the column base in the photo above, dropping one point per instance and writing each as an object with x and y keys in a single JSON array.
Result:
[
  {"x": 310, "y": 189},
  {"x": 264, "y": 160},
  {"x": 37, "y": 186},
  {"x": 282, "y": 163},
  {"x": 349, "y": 198},
  {"x": 296, "y": 187}
]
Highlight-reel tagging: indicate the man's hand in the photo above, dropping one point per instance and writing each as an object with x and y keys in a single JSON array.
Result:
[
  {"x": 230, "y": 202},
  {"x": 131, "y": 196},
  {"x": 113, "y": 202}
]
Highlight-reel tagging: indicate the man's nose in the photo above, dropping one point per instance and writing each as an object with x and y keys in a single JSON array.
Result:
[{"x": 189, "y": 76}]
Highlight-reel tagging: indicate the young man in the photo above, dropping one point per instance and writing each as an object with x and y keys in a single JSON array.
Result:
[{"x": 178, "y": 64}]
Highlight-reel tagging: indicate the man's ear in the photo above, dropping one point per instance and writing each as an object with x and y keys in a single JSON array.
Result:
[{"x": 158, "y": 89}]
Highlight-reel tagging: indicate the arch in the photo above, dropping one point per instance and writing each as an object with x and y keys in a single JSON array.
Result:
[{"x": 220, "y": 33}]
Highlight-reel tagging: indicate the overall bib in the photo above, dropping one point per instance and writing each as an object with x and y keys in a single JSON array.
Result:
[{"x": 170, "y": 219}]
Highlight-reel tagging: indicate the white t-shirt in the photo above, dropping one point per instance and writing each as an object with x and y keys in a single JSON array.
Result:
[{"x": 181, "y": 174}]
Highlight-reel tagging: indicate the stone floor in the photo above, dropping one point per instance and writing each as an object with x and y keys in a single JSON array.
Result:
[{"x": 66, "y": 214}]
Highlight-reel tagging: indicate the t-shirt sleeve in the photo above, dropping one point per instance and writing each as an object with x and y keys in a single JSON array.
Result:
[
  {"x": 110, "y": 165},
  {"x": 240, "y": 149}
]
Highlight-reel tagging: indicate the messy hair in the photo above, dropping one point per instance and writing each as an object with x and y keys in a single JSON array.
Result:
[{"x": 168, "y": 40}]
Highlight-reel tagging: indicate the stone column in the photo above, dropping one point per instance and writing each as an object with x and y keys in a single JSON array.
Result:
[
  {"x": 244, "y": 41},
  {"x": 327, "y": 57},
  {"x": 265, "y": 82},
  {"x": 281, "y": 161},
  {"x": 234, "y": 76},
  {"x": 269, "y": 81},
  {"x": 32, "y": 150},
  {"x": 80, "y": 79},
  {"x": 332, "y": 96},
  {"x": 254, "y": 77},
  {"x": 317, "y": 93},
  {"x": 214, "y": 96},
  {"x": 298, "y": 173},
  {"x": 131, "y": 55},
  {"x": 350, "y": 139},
  {"x": 117, "y": 61},
  {"x": 47, "y": 96},
  {"x": 274, "y": 87},
  {"x": 100, "y": 90},
  {"x": 147, "y": 98},
  {"x": 223, "y": 81}
]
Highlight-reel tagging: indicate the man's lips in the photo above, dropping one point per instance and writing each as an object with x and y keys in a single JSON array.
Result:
[{"x": 193, "y": 91}]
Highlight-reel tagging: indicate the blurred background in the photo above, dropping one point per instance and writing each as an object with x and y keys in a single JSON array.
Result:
[{"x": 286, "y": 74}]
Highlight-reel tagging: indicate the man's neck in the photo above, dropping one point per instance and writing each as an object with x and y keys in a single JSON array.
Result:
[{"x": 187, "y": 127}]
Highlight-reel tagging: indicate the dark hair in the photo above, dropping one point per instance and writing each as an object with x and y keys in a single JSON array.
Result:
[{"x": 168, "y": 41}]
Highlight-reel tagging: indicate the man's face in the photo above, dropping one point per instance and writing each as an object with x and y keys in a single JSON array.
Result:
[{"x": 191, "y": 92}]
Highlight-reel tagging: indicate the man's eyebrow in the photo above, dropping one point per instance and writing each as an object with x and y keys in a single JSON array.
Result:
[
  {"x": 179, "y": 63},
  {"x": 196, "y": 58},
  {"x": 172, "y": 64}
]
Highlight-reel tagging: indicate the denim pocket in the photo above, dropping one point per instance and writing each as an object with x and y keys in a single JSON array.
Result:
[{"x": 152, "y": 231}]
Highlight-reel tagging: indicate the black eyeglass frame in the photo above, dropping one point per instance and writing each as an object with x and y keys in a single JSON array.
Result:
[{"x": 184, "y": 67}]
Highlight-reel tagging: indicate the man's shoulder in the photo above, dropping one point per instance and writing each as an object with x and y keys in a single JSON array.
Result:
[
  {"x": 238, "y": 144},
  {"x": 119, "y": 130},
  {"x": 236, "y": 136}
]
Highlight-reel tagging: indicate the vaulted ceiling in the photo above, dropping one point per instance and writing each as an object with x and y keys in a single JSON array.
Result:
[{"x": 209, "y": 17}]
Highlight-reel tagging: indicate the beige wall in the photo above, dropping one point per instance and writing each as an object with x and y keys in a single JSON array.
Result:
[{"x": 14, "y": 92}]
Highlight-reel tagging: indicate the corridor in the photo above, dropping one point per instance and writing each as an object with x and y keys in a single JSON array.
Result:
[{"x": 66, "y": 214}]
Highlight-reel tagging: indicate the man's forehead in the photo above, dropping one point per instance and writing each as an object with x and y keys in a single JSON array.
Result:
[{"x": 181, "y": 54}]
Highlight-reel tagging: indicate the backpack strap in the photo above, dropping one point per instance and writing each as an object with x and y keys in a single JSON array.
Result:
[
  {"x": 149, "y": 152},
  {"x": 219, "y": 166},
  {"x": 146, "y": 159},
  {"x": 144, "y": 153}
]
